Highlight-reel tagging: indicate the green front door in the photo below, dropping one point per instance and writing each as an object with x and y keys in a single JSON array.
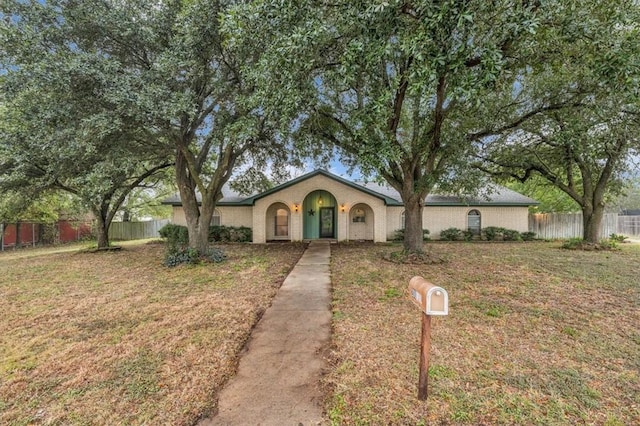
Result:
[
  {"x": 327, "y": 227},
  {"x": 319, "y": 215}
]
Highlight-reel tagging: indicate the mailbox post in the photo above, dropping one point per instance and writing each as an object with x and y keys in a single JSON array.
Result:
[{"x": 432, "y": 300}]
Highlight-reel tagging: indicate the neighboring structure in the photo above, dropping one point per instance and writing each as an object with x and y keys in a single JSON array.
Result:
[{"x": 323, "y": 205}]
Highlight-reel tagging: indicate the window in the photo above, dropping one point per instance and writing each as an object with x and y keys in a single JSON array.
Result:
[
  {"x": 282, "y": 223},
  {"x": 358, "y": 215},
  {"x": 473, "y": 222},
  {"x": 215, "y": 219},
  {"x": 402, "y": 223}
]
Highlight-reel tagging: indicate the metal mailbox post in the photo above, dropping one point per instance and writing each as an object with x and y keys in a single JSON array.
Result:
[{"x": 432, "y": 300}]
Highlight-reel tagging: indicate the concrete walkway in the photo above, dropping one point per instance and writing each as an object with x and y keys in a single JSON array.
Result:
[{"x": 277, "y": 382}]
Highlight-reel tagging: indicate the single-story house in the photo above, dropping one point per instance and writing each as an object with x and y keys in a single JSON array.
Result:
[{"x": 322, "y": 205}]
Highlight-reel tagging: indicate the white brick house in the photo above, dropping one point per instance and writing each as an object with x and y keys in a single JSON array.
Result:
[{"x": 323, "y": 205}]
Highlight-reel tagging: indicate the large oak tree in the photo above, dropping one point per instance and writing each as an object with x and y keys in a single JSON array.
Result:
[
  {"x": 60, "y": 127},
  {"x": 174, "y": 74},
  {"x": 389, "y": 83},
  {"x": 582, "y": 148}
]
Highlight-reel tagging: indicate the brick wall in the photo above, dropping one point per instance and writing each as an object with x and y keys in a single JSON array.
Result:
[{"x": 381, "y": 221}]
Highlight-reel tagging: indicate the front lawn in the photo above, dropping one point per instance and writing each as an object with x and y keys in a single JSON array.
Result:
[
  {"x": 535, "y": 335},
  {"x": 116, "y": 338}
]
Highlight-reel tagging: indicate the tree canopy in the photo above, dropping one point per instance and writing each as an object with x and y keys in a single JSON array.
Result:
[
  {"x": 61, "y": 126},
  {"x": 391, "y": 84},
  {"x": 582, "y": 145},
  {"x": 102, "y": 95}
]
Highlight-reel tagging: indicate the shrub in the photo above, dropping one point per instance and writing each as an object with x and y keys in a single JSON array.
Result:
[
  {"x": 608, "y": 244},
  {"x": 492, "y": 233},
  {"x": 230, "y": 234},
  {"x": 572, "y": 243},
  {"x": 617, "y": 238},
  {"x": 451, "y": 234},
  {"x": 467, "y": 235},
  {"x": 176, "y": 235},
  {"x": 243, "y": 234},
  {"x": 511, "y": 235},
  {"x": 528, "y": 236},
  {"x": 398, "y": 235},
  {"x": 216, "y": 255},
  {"x": 219, "y": 233},
  {"x": 180, "y": 256}
]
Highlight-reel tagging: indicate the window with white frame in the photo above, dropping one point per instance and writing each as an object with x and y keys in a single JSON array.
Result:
[
  {"x": 473, "y": 222},
  {"x": 282, "y": 223},
  {"x": 359, "y": 216},
  {"x": 215, "y": 219}
]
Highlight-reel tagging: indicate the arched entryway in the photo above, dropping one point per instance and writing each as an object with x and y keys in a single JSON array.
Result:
[
  {"x": 320, "y": 215},
  {"x": 361, "y": 222},
  {"x": 278, "y": 222}
]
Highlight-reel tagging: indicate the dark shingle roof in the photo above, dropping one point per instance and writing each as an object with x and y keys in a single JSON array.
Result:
[{"x": 494, "y": 196}]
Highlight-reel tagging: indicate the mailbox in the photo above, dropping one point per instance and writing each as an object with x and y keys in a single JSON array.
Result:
[{"x": 433, "y": 300}]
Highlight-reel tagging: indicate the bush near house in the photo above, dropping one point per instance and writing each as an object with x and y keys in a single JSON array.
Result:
[
  {"x": 398, "y": 235},
  {"x": 490, "y": 233},
  {"x": 178, "y": 234},
  {"x": 177, "y": 238},
  {"x": 230, "y": 234},
  {"x": 496, "y": 233},
  {"x": 451, "y": 234}
]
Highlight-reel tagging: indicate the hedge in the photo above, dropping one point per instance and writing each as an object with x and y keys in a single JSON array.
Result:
[{"x": 177, "y": 235}]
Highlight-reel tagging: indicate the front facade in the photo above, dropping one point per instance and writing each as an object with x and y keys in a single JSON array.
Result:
[{"x": 320, "y": 205}]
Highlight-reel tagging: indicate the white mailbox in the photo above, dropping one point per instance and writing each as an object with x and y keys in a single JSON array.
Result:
[{"x": 431, "y": 299}]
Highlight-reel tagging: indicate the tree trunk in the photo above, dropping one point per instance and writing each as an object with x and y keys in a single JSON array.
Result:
[
  {"x": 199, "y": 234},
  {"x": 102, "y": 232},
  {"x": 591, "y": 222},
  {"x": 197, "y": 220},
  {"x": 413, "y": 240}
]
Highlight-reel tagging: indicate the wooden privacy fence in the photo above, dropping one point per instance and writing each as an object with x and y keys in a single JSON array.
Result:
[
  {"x": 568, "y": 225},
  {"x": 136, "y": 230},
  {"x": 24, "y": 234},
  {"x": 629, "y": 225}
]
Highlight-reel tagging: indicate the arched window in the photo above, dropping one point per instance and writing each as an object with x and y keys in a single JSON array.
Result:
[
  {"x": 473, "y": 222},
  {"x": 282, "y": 223},
  {"x": 215, "y": 219},
  {"x": 359, "y": 215}
]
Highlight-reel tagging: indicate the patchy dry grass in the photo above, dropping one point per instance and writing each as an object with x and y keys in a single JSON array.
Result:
[
  {"x": 115, "y": 338},
  {"x": 535, "y": 335}
]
